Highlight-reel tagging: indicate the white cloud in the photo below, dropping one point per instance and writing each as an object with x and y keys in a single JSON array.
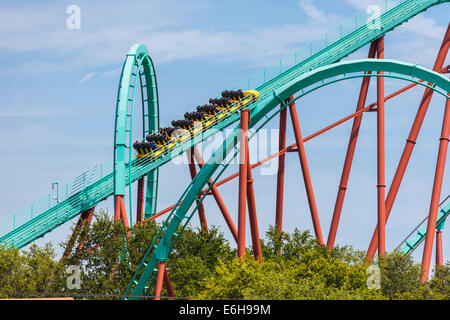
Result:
[
  {"x": 312, "y": 11},
  {"x": 424, "y": 26},
  {"x": 364, "y": 4},
  {"x": 88, "y": 76}
]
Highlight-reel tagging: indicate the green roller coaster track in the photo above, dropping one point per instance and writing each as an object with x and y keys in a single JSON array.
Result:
[
  {"x": 315, "y": 64},
  {"x": 417, "y": 236},
  {"x": 179, "y": 216}
]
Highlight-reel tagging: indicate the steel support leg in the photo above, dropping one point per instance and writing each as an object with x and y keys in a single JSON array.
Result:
[
  {"x": 117, "y": 207},
  {"x": 349, "y": 156},
  {"x": 160, "y": 280},
  {"x": 381, "y": 184},
  {"x": 280, "y": 173},
  {"x": 410, "y": 142},
  {"x": 168, "y": 284},
  {"x": 85, "y": 217},
  {"x": 140, "y": 200},
  {"x": 252, "y": 210},
  {"x": 215, "y": 192},
  {"x": 305, "y": 170},
  {"x": 200, "y": 209},
  {"x": 436, "y": 194},
  {"x": 439, "y": 253},
  {"x": 123, "y": 213},
  {"x": 88, "y": 219},
  {"x": 245, "y": 115}
]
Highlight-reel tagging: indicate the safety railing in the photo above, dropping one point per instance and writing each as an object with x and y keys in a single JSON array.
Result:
[
  {"x": 58, "y": 194},
  {"x": 302, "y": 54}
]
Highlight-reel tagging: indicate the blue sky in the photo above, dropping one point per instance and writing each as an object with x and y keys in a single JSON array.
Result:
[{"x": 58, "y": 90}]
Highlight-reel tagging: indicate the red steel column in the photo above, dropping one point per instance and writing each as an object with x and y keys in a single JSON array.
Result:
[
  {"x": 123, "y": 213},
  {"x": 252, "y": 210},
  {"x": 218, "y": 198},
  {"x": 140, "y": 200},
  {"x": 437, "y": 186},
  {"x": 245, "y": 115},
  {"x": 349, "y": 156},
  {"x": 120, "y": 212},
  {"x": 193, "y": 171},
  {"x": 411, "y": 141},
  {"x": 85, "y": 216},
  {"x": 160, "y": 279},
  {"x": 280, "y": 173},
  {"x": 168, "y": 284},
  {"x": 305, "y": 170},
  {"x": 117, "y": 207},
  {"x": 439, "y": 253},
  {"x": 381, "y": 184}
]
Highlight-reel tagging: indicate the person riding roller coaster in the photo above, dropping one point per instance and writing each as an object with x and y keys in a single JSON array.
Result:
[{"x": 194, "y": 122}]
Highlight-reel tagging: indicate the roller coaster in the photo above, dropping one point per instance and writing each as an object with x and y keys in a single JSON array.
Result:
[{"x": 250, "y": 104}]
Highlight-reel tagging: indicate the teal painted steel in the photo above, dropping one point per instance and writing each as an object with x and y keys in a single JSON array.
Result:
[
  {"x": 417, "y": 236},
  {"x": 137, "y": 66},
  {"x": 168, "y": 235},
  {"x": 97, "y": 184}
]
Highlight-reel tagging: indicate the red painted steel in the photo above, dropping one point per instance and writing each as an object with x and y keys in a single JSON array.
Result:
[
  {"x": 140, "y": 200},
  {"x": 200, "y": 208},
  {"x": 381, "y": 184},
  {"x": 215, "y": 192},
  {"x": 305, "y": 170},
  {"x": 349, "y": 156},
  {"x": 160, "y": 279},
  {"x": 411, "y": 141},
  {"x": 280, "y": 173},
  {"x": 439, "y": 252},
  {"x": 117, "y": 207},
  {"x": 436, "y": 194},
  {"x": 252, "y": 210},
  {"x": 243, "y": 137},
  {"x": 123, "y": 213},
  {"x": 85, "y": 218},
  {"x": 293, "y": 148},
  {"x": 168, "y": 284}
]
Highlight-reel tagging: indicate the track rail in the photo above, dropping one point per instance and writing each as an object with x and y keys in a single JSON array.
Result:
[{"x": 97, "y": 184}]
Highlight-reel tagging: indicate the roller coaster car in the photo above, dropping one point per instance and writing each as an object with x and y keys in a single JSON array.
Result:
[
  {"x": 250, "y": 96},
  {"x": 161, "y": 142},
  {"x": 240, "y": 98},
  {"x": 143, "y": 148},
  {"x": 182, "y": 127},
  {"x": 196, "y": 118},
  {"x": 203, "y": 117},
  {"x": 168, "y": 133},
  {"x": 213, "y": 110}
]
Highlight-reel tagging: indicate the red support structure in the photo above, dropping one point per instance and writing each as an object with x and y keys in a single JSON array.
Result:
[
  {"x": 293, "y": 148},
  {"x": 193, "y": 171},
  {"x": 140, "y": 200},
  {"x": 245, "y": 116},
  {"x": 85, "y": 218},
  {"x": 411, "y": 141},
  {"x": 349, "y": 156},
  {"x": 88, "y": 219},
  {"x": 160, "y": 279},
  {"x": 252, "y": 210},
  {"x": 117, "y": 207},
  {"x": 305, "y": 170},
  {"x": 123, "y": 213},
  {"x": 439, "y": 253},
  {"x": 381, "y": 184},
  {"x": 436, "y": 194},
  {"x": 168, "y": 284},
  {"x": 280, "y": 173},
  {"x": 215, "y": 192}
]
